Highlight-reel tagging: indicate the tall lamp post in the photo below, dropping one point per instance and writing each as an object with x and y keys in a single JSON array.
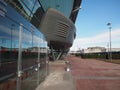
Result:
[{"x": 110, "y": 52}]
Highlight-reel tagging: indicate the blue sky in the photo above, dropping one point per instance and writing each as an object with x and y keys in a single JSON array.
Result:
[{"x": 91, "y": 24}]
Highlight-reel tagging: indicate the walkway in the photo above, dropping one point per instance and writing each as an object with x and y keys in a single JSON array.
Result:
[
  {"x": 58, "y": 78},
  {"x": 85, "y": 74}
]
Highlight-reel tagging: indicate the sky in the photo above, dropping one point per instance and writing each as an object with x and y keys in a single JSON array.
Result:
[{"x": 91, "y": 24}]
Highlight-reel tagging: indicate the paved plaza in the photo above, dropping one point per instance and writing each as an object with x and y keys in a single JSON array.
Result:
[{"x": 84, "y": 74}]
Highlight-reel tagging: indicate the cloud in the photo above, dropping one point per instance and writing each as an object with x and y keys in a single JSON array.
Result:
[
  {"x": 97, "y": 40},
  {"x": 27, "y": 37}
]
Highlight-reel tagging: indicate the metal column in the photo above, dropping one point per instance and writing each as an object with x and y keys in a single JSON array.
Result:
[
  {"x": 52, "y": 53},
  {"x": 19, "y": 72},
  {"x": 38, "y": 76},
  {"x": 58, "y": 57}
]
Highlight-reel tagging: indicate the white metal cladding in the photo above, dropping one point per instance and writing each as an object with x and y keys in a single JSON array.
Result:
[{"x": 56, "y": 27}]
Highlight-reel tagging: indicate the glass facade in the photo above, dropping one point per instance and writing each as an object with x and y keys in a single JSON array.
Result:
[
  {"x": 30, "y": 9},
  {"x": 21, "y": 40}
]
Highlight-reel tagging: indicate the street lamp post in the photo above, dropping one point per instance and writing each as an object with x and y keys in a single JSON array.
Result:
[{"x": 110, "y": 52}]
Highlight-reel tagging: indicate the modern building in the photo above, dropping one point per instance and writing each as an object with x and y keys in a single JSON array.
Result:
[
  {"x": 23, "y": 45},
  {"x": 60, "y": 31},
  {"x": 94, "y": 49},
  {"x": 113, "y": 49}
]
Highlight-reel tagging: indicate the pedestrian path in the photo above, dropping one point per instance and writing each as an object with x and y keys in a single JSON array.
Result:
[
  {"x": 58, "y": 78},
  {"x": 84, "y": 74}
]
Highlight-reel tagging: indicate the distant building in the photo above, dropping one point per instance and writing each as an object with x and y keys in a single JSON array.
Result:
[
  {"x": 113, "y": 49},
  {"x": 72, "y": 52},
  {"x": 94, "y": 50}
]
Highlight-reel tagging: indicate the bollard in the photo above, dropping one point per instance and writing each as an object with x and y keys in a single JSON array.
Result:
[{"x": 67, "y": 66}]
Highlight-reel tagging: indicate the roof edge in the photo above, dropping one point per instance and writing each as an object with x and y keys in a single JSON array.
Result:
[{"x": 75, "y": 10}]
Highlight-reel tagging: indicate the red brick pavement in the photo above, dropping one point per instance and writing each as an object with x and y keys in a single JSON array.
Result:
[{"x": 91, "y": 74}]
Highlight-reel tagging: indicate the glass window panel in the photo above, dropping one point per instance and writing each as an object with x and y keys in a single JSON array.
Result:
[
  {"x": 29, "y": 60},
  {"x": 29, "y": 3},
  {"x": 37, "y": 14},
  {"x": 37, "y": 5},
  {"x": 9, "y": 42},
  {"x": 26, "y": 9},
  {"x": 9, "y": 46},
  {"x": 21, "y": 8}
]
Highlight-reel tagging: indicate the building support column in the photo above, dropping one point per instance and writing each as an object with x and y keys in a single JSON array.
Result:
[{"x": 59, "y": 55}]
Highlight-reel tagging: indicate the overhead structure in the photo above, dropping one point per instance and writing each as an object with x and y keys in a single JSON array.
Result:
[
  {"x": 58, "y": 26},
  {"x": 59, "y": 30}
]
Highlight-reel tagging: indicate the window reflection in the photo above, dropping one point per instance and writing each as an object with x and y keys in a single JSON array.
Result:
[
  {"x": 30, "y": 9},
  {"x": 32, "y": 47},
  {"x": 36, "y": 6},
  {"x": 20, "y": 8},
  {"x": 37, "y": 17},
  {"x": 28, "y": 3}
]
